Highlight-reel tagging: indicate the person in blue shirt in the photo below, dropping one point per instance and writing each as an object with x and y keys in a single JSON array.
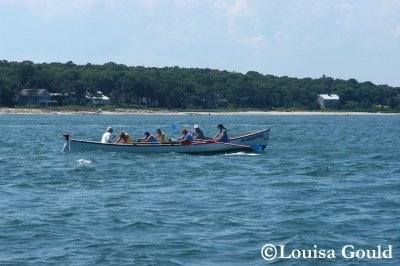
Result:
[
  {"x": 148, "y": 137},
  {"x": 186, "y": 138},
  {"x": 222, "y": 135}
]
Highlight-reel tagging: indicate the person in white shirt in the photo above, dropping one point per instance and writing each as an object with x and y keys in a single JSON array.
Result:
[{"x": 108, "y": 136}]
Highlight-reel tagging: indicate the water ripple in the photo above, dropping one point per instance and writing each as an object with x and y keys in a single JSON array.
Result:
[{"x": 324, "y": 180}]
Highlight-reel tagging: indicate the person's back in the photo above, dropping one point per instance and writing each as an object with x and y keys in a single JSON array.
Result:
[
  {"x": 129, "y": 139},
  {"x": 107, "y": 136},
  {"x": 124, "y": 138}
]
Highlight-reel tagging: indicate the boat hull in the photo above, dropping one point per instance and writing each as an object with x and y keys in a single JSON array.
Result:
[{"x": 241, "y": 142}]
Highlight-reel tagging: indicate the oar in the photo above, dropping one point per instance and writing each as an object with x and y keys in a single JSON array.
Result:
[
  {"x": 175, "y": 127},
  {"x": 178, "y": 128},
  {"x": 253, "y": 148}
]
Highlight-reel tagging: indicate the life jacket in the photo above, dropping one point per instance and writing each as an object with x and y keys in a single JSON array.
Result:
[
  {"x": 186, "y": 142},
  {"x": 162, "y": 138},
  {"x": 198, "y": 134},
  {"x": 225, "y": 137},
  {"x": 129, "y": 139},
  {"x": 187, "y": 139}
]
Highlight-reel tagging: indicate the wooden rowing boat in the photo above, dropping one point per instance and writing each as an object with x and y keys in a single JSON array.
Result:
[{"x": 249, "y": 141}]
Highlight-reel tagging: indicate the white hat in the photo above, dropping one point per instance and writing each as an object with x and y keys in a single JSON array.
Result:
[
  {"x": 109, "y": 129},
  {"x": 196, "y": 126}
]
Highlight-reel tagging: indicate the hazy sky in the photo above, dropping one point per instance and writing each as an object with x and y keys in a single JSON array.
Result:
[{"x": 298, "y": 38}]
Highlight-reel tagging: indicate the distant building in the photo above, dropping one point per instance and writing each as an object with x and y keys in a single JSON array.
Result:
[
  {"x": 98, "y": 99},
  {"x": 327, "y": 100},
  {"x": 34, "y": 97}
]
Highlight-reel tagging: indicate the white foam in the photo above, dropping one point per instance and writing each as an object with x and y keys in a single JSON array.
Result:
[
  {"x": 84, "y": 161},
  {"x": 241, "y": 153}
]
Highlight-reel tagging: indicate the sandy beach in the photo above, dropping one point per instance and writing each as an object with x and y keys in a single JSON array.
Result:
[{"x": 27, "y": 111}]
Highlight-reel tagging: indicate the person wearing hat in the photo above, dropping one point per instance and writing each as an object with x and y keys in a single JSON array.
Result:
[
  {"x": 108, "y": 136},
  {"x": 198, "y": 133},
  {"x": 222, "y": 135},
  {"x": 148, "y": 137},
  {"x": 160, "y": 136}
]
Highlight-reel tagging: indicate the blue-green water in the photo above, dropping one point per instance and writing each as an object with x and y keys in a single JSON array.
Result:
[{"x": 327, "y": 181}]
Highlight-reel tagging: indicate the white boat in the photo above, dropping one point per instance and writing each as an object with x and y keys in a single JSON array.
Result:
[{"x": 249, "y": 141}]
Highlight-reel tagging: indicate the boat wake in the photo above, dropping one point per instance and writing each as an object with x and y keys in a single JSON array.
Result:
[{"x": 242, "y": 153}]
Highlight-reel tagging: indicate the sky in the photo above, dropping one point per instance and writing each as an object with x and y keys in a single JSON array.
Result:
[{"x": 342, "y": 39}]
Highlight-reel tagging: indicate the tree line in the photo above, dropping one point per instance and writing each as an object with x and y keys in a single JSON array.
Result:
[{"x": 190, "y": 88}]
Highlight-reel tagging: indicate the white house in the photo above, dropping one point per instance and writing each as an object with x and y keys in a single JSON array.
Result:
[
  {"x": 327, "y": 100},
  {"x": 99, "y": 99}
]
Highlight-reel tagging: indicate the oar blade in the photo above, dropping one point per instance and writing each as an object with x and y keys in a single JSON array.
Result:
[{"x": 256, "y": 148}]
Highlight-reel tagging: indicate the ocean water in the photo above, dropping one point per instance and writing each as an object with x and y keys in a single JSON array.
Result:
[{"x": 324, "y": 182}]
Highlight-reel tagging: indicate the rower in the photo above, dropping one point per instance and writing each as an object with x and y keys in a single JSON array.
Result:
[
  {"x": 124, "y": 138},
  {"x": 198, "y": 133},
  {"x": 186, "y": 138},
  {"x": 108, "y": 136},
  {"x": 160, "y": 136},
  {"x": 148, "y": 137},
  {"x": 222, "y": 135}
]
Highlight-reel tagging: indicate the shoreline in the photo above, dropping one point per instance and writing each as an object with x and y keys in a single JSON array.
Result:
[{"x": 8, "y": 111}]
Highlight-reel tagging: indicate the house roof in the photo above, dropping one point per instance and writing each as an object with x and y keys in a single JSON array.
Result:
[
  {"x": 329, "y": 96},
  {"x": 25, "y": 92}
]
